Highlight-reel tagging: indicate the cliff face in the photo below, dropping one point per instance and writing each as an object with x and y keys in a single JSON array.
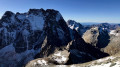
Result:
[
  {"x": 23, "y": 35},
  {"x": 96, "y": 36}
]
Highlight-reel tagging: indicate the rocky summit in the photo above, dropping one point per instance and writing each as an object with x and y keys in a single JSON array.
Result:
[
  {"x": 24, "y": 35},
  {"x": 42, "y": 37}
]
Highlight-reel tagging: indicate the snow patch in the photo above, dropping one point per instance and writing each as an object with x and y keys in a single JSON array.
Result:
[
  {"x": 35, "y": 63},
  {"x": 71, "y": 26},
  {"x": 95, "y": 28},
  {"x": 60, "y": 66},
  {"x": 37, "y": 22},
  {"x": 60, "y": 58},
  {"x": 113, "y": 32},
  {"x": 58, "y": 54},
  {"x": 42, "y": 62},
  {"x": 102, "y": 65},
  {"x": 117, "y": 34},
  {"x": 72, "y": 66},
  {"x": 101, "y": 60},
  {"x": 117, "y": 64}
]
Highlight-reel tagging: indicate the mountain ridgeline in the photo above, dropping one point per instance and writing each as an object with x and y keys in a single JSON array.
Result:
[{"x": 42, "y": 37}]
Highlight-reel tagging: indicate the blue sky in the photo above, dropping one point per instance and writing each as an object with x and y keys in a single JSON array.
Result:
[{"x": 79, "y": 10}]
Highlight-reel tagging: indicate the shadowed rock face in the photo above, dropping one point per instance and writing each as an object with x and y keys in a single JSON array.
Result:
[
  {"x": 23, "y": 35},
  {"x": 79, "y": 49}
]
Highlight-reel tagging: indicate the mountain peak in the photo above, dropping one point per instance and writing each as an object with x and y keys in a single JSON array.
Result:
[
  {"x": 42, "y": 10},
  {"x": 35, "y": 11},
  {"x": 8, "y": 14}
]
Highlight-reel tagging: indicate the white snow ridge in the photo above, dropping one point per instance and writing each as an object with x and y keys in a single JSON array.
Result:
[{"x": 61, "y": 58}]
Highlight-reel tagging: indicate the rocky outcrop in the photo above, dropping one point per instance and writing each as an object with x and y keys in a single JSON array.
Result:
[{"x": 98, "y": 37}]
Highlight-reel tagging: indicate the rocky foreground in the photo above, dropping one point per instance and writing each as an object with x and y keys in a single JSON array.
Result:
[{"x": 110, "y": 61}]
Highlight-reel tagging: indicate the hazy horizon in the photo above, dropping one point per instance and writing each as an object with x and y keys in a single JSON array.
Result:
[{"x": 78, "y": 10}]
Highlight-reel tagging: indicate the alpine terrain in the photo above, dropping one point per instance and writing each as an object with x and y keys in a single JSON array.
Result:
[{"x": 41, "y": 38}]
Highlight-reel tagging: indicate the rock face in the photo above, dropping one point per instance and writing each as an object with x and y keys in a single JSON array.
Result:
[
  {"x": 23, "y": 35},
  {"x": 114, "y": 45},
  {"x": 90, "y": 36},
  {"x": 98, "y": 37}
]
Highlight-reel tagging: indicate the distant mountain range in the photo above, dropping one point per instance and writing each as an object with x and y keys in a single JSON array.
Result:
[{"x": 91, "y": 23}]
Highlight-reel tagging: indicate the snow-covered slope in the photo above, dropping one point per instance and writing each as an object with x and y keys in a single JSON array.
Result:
[
  {"x": 77, "y": 26},
  {"x": 110, "y": 61}
]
